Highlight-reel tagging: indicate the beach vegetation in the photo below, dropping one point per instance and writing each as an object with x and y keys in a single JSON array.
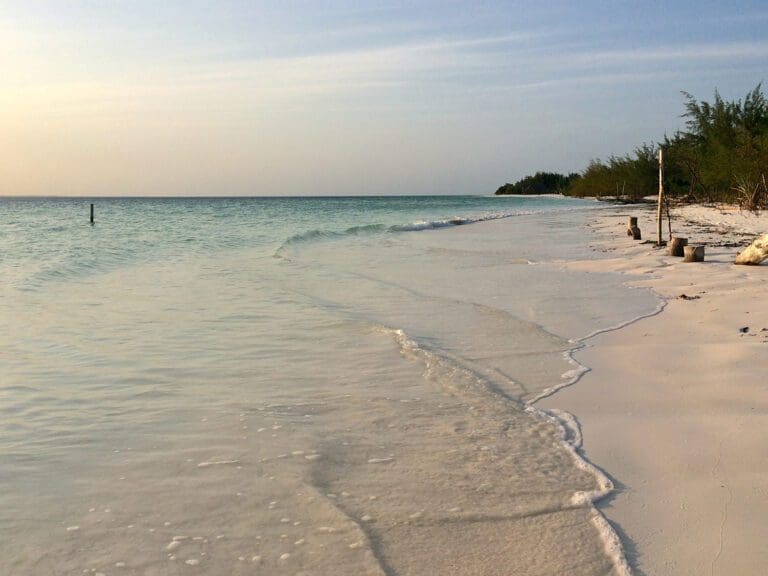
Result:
[
  {"x": 721, "y": 155},
  {"x": 628, "y": 177},
  {"x": 723, "y": 152}
]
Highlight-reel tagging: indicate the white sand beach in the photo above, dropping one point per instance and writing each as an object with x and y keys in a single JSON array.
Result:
[{"x": 675, "y": 407}]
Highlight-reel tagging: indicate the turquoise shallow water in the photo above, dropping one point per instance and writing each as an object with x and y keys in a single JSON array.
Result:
[
  {"x": 345, "y": 381},
  {"x": 48, "y": 239}
]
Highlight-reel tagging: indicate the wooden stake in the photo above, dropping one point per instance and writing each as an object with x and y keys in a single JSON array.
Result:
[
  {"x": 661, "y": 197},
  {"x": 91, "y": 213}
]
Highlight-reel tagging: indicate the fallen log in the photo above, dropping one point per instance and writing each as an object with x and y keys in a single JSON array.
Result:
[{"x": 755, "y": 253}]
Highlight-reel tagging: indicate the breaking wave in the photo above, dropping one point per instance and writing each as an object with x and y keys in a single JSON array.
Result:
[{"x": 319, "y": 235}]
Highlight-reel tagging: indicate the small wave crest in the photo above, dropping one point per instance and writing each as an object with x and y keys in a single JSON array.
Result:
[
  {"x": 458, "y": 221},
  {"x": 430, "y": 224},
  {"x": 320, "y": 235}
]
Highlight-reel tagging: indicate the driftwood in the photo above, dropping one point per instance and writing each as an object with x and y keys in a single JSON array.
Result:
[
  {"x": 755, "y": 252},
  {"x": 693, "y": 254},
  {"x": 676, "y": 246}
]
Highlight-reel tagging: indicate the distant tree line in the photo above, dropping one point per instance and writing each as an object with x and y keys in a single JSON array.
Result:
[
  {"x": 722, "y": 155},
  {"x": 539, "y": 183}
]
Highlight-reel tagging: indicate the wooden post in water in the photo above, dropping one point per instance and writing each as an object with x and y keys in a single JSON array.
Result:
[
  {"x": 91, "y": 213},
  {"x": 661, "y": 198}
]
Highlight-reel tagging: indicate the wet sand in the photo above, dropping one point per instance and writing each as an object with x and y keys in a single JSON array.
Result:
[{"x": 675, "y": 407}]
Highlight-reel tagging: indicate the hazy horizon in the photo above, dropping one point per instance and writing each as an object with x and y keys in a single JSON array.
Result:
[{"x": 334, "y": 99}]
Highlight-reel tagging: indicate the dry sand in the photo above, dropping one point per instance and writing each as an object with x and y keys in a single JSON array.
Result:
[{"x": 675, "y": 407}]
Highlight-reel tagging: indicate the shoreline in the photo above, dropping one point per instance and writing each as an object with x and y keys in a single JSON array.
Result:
[{"x": 682, "y": 437}]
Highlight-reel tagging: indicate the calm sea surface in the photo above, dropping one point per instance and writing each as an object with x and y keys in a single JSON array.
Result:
[{"x": 297, "y": 386}]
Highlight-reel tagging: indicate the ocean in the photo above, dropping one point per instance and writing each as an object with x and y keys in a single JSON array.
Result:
[{"x": 340, "y": 386}]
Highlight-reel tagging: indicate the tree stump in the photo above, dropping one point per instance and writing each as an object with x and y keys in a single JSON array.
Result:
[
  {"x": 676, "y": 246},
  {"x": 630, "y": 225},
  {"x": 755, "y": 252},
  {"x": 635, "y": 232},
  {"x": 693, "y": 254}
]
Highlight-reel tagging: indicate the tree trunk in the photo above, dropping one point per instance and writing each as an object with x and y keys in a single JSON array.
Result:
[
  {"x": 676, "y": 246},
  {"x": 693, "y": 254}
]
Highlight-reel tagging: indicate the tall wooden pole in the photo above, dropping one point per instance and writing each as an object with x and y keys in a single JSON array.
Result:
[{"x": 661, "y": 197}]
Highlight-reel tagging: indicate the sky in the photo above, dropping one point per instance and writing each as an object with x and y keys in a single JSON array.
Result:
[{"x": 112, "y": 97}]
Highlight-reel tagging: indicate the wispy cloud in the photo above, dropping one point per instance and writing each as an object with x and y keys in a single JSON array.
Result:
[
  {"x": 606, "y": 79},
  {"x": 749, "y": 17},
  {"x": 679, "y": 54},
  {"x": 321, "y": 73}
]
